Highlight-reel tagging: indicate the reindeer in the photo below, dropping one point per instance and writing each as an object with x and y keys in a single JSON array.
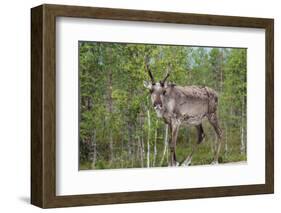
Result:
[{"x": 187, "y": 105}]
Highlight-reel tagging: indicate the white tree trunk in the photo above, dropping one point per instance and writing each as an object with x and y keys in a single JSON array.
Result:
[
  {"x": 242, "y": 142},
  {"x": 226, "y": 140},
  {"x": 242, "y": 148},
  {"x": 94, "y": 149},
  {"x": 165, "y": 144},
  {"x": 122, "y": 148},
  {"x": 155, "y": 145},
  {"x": 141, "y": 151},
  {"x": 148, "y": 140}
]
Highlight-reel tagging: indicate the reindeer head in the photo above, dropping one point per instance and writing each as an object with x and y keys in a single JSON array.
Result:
[{"x": 157, "y": 89}]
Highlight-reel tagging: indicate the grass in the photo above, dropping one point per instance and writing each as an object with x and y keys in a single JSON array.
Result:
[{"x": 203, "y": 156}]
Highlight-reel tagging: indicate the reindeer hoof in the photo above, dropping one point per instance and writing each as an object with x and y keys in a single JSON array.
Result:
[
  {"x": 187, "y": 162},
  {"x": 215, "y": 162}
]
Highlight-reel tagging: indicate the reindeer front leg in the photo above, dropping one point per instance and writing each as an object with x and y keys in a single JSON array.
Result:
[{"x": 174, "y": 127}]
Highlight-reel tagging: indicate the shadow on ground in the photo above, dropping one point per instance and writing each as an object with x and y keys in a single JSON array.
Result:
[{"x": 24, "y": 199}]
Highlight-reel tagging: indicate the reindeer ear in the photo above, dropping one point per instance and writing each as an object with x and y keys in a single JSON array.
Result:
[{"x": 147, "y": 84}]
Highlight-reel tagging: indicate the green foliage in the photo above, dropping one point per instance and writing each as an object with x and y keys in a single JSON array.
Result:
[{"x": 117, "y": 123}]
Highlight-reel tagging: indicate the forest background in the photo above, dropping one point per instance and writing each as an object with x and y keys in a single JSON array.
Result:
[{"x": 118, "y": 126}]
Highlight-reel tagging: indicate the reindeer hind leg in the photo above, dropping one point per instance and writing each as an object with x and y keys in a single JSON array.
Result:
[
  {"x": 201, "y": 134},
  {"x": 200, "y": 138},
  {"x": 213, "y": 119}
]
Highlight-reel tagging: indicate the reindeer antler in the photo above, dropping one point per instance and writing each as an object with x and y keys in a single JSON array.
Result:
[
  {"x": 148, "y": 70},
  {"x": 167, "y": 74}
]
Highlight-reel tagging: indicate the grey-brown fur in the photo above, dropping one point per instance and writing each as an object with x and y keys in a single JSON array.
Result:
[{"x": 188, "y": 105}]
